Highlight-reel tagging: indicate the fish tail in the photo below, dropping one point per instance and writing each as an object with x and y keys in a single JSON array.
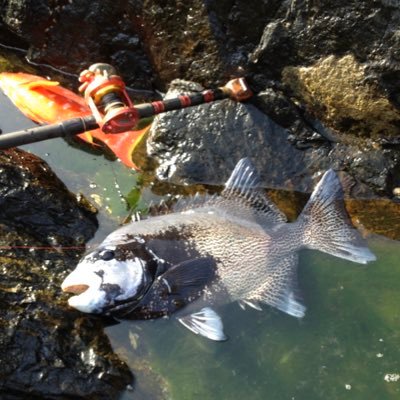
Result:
[{"x": 327, "y": 226}]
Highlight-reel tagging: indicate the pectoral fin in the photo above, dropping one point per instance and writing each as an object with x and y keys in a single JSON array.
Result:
[
  {"x": 206, "y": 323},
  {"x": 179, "y": 285},
  {"x": 186, "y": 277}
]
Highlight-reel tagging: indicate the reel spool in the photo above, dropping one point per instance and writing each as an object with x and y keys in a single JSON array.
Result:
[{"x": 107, "y": 98}]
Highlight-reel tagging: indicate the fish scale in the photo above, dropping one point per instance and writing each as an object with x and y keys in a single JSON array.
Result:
[{"x": 211, "y": 250}]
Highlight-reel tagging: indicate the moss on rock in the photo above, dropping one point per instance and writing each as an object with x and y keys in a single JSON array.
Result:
[{"x": 338, "y": 92}]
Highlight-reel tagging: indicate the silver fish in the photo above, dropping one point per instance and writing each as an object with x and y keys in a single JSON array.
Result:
[{"x": 213, "y": 250}]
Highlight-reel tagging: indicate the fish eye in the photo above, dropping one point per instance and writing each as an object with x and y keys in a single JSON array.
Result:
[{"x": 107, "y": 255}]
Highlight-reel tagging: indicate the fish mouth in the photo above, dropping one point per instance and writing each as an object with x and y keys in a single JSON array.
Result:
[
  {"x": 75, "y": 289},
  {"x": 86, "y": 294}
]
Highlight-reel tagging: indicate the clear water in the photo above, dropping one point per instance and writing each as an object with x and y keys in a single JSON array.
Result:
[{"x": 346, "y": 347}]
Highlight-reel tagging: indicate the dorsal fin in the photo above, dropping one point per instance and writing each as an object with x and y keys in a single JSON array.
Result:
[
  {"x": 244, "y": 188},
  {"x": 196, "y": 201},
  {"x": 40, "y": 83},
  {"x": 242, "y": 197},
  {"x": 243, "y": 177}
]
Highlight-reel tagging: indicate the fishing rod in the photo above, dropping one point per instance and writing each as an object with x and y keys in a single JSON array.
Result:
[{"x": 112, "y": 109}]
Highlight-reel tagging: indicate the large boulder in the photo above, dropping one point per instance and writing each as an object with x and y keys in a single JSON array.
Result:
[
  {"x": 47, "y": 350},
  {"x": 203, "y": 144}
]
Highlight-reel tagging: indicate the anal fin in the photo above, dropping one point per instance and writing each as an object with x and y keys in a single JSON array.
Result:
[
  {"x": 292, "y": 306},
  {"x": 250, "y": 303},
  {"x": 206, "y": 323},
  {"x": 280, "y": 289}
]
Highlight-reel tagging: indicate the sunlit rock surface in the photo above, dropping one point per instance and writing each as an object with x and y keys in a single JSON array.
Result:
[
  {"x": 326, "y": 71},
  {"x": 47, "y": 350},
  {"x": 337, "y": 90},
  {"x": 202, "y": 145}
]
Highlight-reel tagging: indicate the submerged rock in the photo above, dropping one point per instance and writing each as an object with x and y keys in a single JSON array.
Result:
[{"x": 47, "y": 351}]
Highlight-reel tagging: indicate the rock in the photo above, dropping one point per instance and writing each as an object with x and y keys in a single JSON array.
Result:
[
  {"x": 47, "y": 350},
  {"x": 336, "y": 91},
  {"x": 102, "y": 32},
  {"x": 203, "y": 144},
  {"x": 192, "y": 49},
  {"x": 32, "y": 199}
]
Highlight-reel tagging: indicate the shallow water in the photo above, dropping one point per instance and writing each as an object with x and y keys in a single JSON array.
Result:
[{"x": 345, "y": 347}]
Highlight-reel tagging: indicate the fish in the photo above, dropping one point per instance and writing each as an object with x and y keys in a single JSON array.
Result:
[
  {"x": 47, "y": 102},
  {"x": 212, "y": 250}
]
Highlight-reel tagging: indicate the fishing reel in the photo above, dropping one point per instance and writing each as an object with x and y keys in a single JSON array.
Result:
[
  {"x": 114, "y": 112},
  {"x": 107, "y": 98}
]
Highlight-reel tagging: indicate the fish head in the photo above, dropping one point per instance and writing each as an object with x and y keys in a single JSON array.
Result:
[{"x": 111, "y": 277}]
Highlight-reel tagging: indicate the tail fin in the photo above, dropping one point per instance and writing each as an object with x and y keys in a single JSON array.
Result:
[{"x": 327, "y": 226}]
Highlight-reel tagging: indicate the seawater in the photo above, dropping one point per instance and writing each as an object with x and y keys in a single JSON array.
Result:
[{"x": 346, "y": 347}]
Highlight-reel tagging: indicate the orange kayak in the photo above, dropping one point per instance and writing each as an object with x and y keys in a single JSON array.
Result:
[{"x": 45, "y": 101}]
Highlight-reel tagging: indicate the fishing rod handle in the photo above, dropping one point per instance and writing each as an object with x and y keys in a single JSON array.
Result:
[{"x": 70, "y": 127}]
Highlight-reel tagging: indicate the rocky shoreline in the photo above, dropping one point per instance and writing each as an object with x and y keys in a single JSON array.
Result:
[{"x": 325, "y": 77}]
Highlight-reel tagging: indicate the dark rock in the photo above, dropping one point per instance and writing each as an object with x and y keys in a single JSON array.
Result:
[
  {"x": 47, "y": 351},
  {"x": 325, "y": 71},
  {"x": 34, "y": 200},
  {"x": 203, "y": 144},
  {"x": 74, "y": 35},
  {"x": 192, "y": 49}
]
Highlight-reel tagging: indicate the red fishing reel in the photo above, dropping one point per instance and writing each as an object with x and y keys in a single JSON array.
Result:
[
  {"x": 114, "y": 112},
  {"x": 107, "y": 98}
]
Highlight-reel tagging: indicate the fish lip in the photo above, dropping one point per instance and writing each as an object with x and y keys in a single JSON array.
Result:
[{"x": 75, "y": 289}]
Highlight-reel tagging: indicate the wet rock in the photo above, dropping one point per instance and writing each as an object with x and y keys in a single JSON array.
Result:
[
  {"x": 328, "y": 45},
  {"x": 34, "y": 200},
  {"x": 47, "y": 351},
  {"x": 101, "y": 31},
  {"x": 203, "y": 144},
  {"x": 380, "y": 216},
  {"x": 192, "y": 50},
  {"x": 337, "y": 92},
  {"x": 325, "y": 73}
]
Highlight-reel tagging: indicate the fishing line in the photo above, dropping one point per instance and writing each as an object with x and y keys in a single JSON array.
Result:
[
  {"x": 54, "y": 248},
  {"x": 144, "y": 92},
  {"x": 4, "y": 46}
]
